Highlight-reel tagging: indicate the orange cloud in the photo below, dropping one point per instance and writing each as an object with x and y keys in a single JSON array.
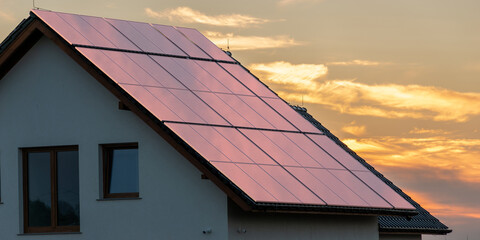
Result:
[
  {"x": 295, "y": 84},
  {"x": 457, "y": 156},
  {"x": 440, "y": 209},
  {"x": 429, "y": 131},
  {"x": 238, "y": 42},
  {"x": 354, "y": 129},
  {"x": 357, "y": 62},
  {"x": 299, "y": 76},
  {"x": 188, "y": 15}
]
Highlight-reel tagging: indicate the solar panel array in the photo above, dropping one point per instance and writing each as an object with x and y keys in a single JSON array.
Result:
[{"x": 217, "y": 107}]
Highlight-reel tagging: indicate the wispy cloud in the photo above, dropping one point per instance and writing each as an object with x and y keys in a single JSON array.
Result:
[
  {"x": 423, "y": 153},
  {"x": 440, "y": 209},
  {"x": 285, "y": 73},
  {"x": 356, "y": 62},
  {"x": 7, "y": 16},
  {"x": 291, "y": 2},
  {"x": 188, "y": 15},
  {"x": 386, "y": 100},
  {"x": 354, "y": 129},
  {"x": 238, "y": 42},
  {"x": 429, "y": 131}
]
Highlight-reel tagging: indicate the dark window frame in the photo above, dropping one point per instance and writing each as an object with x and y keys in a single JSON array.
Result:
[
  {"x": 53, "y": 186},
  {"x": 107, "y": 155}
]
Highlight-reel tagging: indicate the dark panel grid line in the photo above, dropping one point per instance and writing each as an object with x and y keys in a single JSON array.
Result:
[
  {"x": 153, "y": 53},
  {"x": 238, "y": 127}
]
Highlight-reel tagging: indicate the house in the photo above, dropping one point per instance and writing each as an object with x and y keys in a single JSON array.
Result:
[{"x": 113, "y": 129}]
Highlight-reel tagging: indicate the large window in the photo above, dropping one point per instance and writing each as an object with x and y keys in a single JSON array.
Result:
[
  {"x": 50, "y": 189},
  {"x": 120, "y": 170}
]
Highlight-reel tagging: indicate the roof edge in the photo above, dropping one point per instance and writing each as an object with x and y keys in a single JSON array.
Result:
[{"x": 432, "y": 231}]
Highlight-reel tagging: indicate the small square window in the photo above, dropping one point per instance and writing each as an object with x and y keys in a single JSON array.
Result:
[{"x": 120, "y": 170}]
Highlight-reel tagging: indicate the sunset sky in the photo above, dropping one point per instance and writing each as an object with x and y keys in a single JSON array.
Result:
[{"x": 397, "y": 81}]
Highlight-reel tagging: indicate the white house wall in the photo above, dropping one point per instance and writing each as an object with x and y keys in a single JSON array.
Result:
[
  {"x": 49, "y": 100},
  {"x": 405, "y": 236},
  {"x": 259, "y": 226}
]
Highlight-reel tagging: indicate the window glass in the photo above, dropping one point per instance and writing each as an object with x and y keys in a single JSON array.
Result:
[
  {"x": 39, "y": 189},
  {"x": 68, "y": 212},
  {"x": 124, "y": 171},
  {"x": 120, "y": 170}
]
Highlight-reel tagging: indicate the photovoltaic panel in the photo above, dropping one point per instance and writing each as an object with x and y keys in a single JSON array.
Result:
[
  {"x": 224, "y": 77},
  {"x": 291, "y": 149},
  {"x": 269, "y": 183},
  {"x": 198, "y": 142},
  {"x": 248, "y": 80},
  {"x": 109, "y": 32},
  {"x": 253, "y": 189},
  {"x": 179, "y": 73},
  {"x": 133, "y": 68},
  {"x": 229, "y": 113},
  {"x": 292, "y": 185},
  {"x": 383, "y": 189},
  {"x": 319, "y": 188},
  {"x": 181, "y": 41},
  {"x": 220, "y": 142},
  {"x": 201, "y": 75},
  {"x": 198, "y": 106},
  {"x": 205, "y": 44},
  {"x": 166, "y": 97},
  {"x": 245, "y": 145},
  {"x": 64, "y": 29},
  {"x": 193, "y": 111},
  {"x": 157, "y": 38},
  {"x": 150, "y": 102},
  {"x": 246, "y": 111},
  {"x": 322, "y": 158},
  {"x": 362, "y": 190},
  {"x": 338, "y": 187},
  {"x": 291, "y": 115},
  {"x": 135, "y": 36},
  {"x": 337, "y": 152},
  {"x": 155, "y": 70},
  {"x": 107, "y": 65},
  {"x": 267, "y": 113},
  {"x": 266, "y": 144},
  {"x": 89, "y": 32}
]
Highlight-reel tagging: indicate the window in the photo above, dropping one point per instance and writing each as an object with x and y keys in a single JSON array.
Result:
[
  {"x": 120, "y": 170},
  {"x": 50, "y": 189}
]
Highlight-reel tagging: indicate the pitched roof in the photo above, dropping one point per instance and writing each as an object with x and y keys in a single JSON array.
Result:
[
  {"x": 423, "y": 223},
  {"x": 250, "y": 142}
]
